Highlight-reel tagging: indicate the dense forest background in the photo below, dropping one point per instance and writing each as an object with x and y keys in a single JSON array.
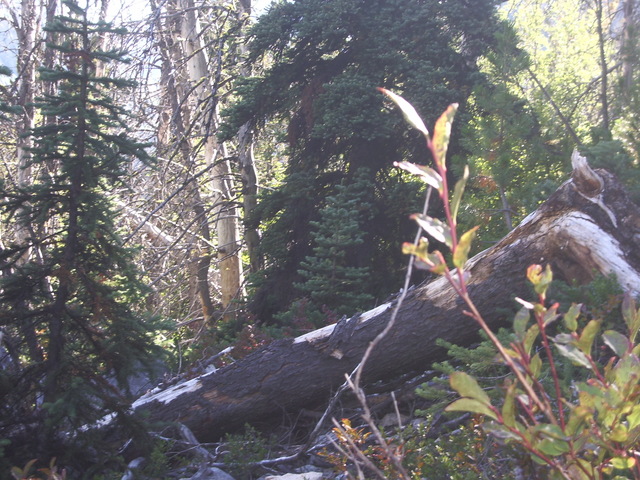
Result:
[{"x": 180, "y": 176}]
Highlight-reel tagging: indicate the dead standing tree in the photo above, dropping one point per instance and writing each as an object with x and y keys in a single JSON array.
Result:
[{"x": 588, "y": 225}]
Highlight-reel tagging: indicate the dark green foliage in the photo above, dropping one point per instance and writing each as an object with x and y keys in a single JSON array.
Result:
[
  {"x": 69, "y": 295},
  {"x": 480, "y": 360},
  {"x": 243, "y": 449},
  {"x": 329, "y": 57},
  {"x": 600, "y": 298},
  {"x": 336, "y": 274},
  {"x": 465, "y": 454},
  {"x": 6, "y": 110},
  {"x": 510, "y": 151}
]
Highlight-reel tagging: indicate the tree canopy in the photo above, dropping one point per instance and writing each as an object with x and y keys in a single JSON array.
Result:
[
  {"x": 326, "y": 60},
  {"x": 70, "y": 292}
]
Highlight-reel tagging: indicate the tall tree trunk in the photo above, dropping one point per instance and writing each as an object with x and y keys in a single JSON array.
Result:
[
  {"x": 224, "y": 210},
  {"x": 248, "y": 172},
  {"x": 628, "y": 47},
  {"x": 604, "y": 81},
  {"x": 176, "y": 121},
  {"x": 27, "y": 31}
]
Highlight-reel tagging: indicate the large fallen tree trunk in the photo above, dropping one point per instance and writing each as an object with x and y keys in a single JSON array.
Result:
[{"x": 589, "y": 225}]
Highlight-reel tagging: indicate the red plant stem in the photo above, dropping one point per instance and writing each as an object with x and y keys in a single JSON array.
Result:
[
  {"x": 527, "y": 445},
  {"x": 526, "y": 365},
  {"x": 475, "y": 314},
  {"x": 596, "y": 370},
  {"x": 461, "y": 289},
  {"x": 552, "y": 364},
  {"x": 444, "y": 195}
]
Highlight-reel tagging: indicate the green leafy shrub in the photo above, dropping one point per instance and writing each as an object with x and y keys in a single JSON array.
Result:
[
  {"x": 243, "y": 450},
  {"x": 587, "y": 434},
  {"x": 480, "y": 360},
  {"x": 588, "y": 431},
  {"x": 463, "y": 454}
]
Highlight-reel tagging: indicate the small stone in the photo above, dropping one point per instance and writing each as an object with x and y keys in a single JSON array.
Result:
[
  {"x": 296, "y": 476},
  {"x": 210, "y": 473}
]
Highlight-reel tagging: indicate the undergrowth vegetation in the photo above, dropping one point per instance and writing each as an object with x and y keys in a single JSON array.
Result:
[{"x": 558, "y": 394}]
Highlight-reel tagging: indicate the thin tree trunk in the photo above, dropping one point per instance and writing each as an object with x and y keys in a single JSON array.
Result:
[
  {"x": 27, "y": 30},
  {"x": 562, "y": 116},
  {"x": 604, "y": 84},
  {"x": 506, "y": 209},
  {"x": 628, "y": 47},
  {"x": 177, "y": 120},
  {"x": 248, "y": 172},
  {"x": 224, "y": 209}
]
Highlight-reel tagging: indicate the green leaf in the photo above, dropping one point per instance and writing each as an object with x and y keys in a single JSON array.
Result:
[
  {"x": 577, "y": 418},
  {"x": 588, "y": 335},
  {"x": 550, "y": 430},
  {"x": 538, "y": 460},
  {"x": 616, "y": 342},
  {"x": 467, "y": 386},
  {"x": 620, "y": 433},
  {"x": 457, "y": 193},
  {"x": 425, "y": 260},
  {"x": 509, "y": 407},
  {"x": 631, "y": 316},
  {"x": 553, "y": 441},
  {"x": 541, "y": 279},
  {"x": 574, "y": 354},
  {"x": 571, "y": 317},
  {"x": 409, "y": 113},
  {"x": 461, "y": 253},
  {"x": 552, "y": 447},
  {"x": 535, "y": 365},
  {"x": 471, "y": 405},
  {"x": 499, "y": 431},
  {"x": 584, "y": 470},
  {"x": 441, "y": 135},
  {"x": 520, "y": 322},
  {"x": 626, "y": 372},
  {"x": 421, "y": 250},
  {"x": 623, "y": 463},
  {"x": 19, "y": 473},
  {"x": 427, "y": 174},
  {"x": 439, "y": 266},
  {"x": 439, "y": 230},
  {"x": 530, "y": 337},
  {"x": 634, "y": 417},
  {"x": 551, "y": 315}
]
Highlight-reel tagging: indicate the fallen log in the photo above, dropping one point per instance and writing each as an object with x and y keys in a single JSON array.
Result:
[{"x": 588, "y": 225}]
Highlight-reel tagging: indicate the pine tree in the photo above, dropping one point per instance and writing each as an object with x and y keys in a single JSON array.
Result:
[
  {"x": 335, "y": 275},
  {"x": 328, "y": 57},
  {"x": 509, "y": 153},
  {"x": 69, "y": 297},
  {"x": 5, "y": 109}
]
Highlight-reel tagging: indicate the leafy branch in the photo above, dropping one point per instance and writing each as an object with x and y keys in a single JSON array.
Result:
[{"x": 583, "y": 439}]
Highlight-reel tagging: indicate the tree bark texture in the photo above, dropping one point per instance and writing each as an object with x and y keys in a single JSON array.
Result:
[
  {"x": 224, "y": 210},
  {"x": 588, "y": 225},
  {"x": 246, "y": 161}
]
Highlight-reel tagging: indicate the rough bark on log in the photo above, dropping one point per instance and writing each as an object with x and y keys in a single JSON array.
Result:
[{"x": 588, "y": 225}]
